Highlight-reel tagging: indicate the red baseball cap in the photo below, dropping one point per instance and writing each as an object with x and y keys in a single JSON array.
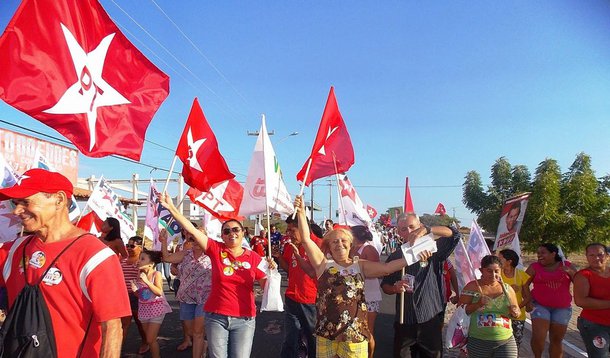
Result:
[{"x": 37, "y": 181}]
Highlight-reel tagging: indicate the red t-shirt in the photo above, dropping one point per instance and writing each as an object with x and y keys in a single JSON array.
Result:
[
  {"x": 233, "y": 281},
  {"x": 599, "y": 287},
  {"x": 259, "y": 245},
  {"x": 85, "y": 280},
  {"x": 551, "y": 288},
  {"x": 301, "y": 287}
]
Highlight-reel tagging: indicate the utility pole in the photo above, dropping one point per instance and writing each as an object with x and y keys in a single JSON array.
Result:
[
  {"x": 330, "y": 199},
  {"x": 312, "y": 209}
]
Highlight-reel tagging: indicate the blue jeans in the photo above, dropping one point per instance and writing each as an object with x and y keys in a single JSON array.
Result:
[
  {"x": 229, "y": 336},
  {"x": 596, "y": 338},
  {"x": 298, "y": 317}
]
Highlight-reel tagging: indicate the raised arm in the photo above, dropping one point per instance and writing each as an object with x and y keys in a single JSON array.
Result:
[
  {"x": 315, "y": 255},
  {"x": 372, "y": 269},
  {"x": 172, "y": 258},
  {"x": 199, "y": 236}
]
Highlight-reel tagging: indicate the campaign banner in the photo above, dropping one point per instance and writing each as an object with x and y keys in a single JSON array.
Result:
[
  {"x": 20, "y": 151},
  {"x": 511, "y": 219}
]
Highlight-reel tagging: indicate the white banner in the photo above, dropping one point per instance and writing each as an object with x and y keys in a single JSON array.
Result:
[
  {"x": 264, "y": 186},
  {"x": 10, "y": 224},
  {"x": 106, "y": 203}
]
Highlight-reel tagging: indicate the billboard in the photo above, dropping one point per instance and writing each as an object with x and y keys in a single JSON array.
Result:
[{"x": 19, "y": 150}]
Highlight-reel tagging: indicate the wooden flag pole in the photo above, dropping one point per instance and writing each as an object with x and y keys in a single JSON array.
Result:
[
  {"x": 340, "y": 198},
  {"x": 402, "y": 301},
  {"x": 294, "y": 214},
  {"x": 171, "y": 171}
]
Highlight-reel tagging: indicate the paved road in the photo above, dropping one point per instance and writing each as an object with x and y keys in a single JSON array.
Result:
[{"x": 269, "y": 333}]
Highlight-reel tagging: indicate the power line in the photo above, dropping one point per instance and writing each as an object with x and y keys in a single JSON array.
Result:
[{"x": 202, "y": 54}]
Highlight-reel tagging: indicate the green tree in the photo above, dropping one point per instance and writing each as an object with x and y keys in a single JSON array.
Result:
[
  {"x": 437, "y": 220},
  {"x": 520, "y": 180},
  {"x": 542, "y": 218},
  {"x": 584, "y": 205}
]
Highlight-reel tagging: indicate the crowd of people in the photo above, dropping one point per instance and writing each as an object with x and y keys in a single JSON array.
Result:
[{"x": 335, "y": 279}]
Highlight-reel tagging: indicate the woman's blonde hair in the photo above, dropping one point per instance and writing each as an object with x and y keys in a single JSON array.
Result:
[{"x": 332, "y": 234}]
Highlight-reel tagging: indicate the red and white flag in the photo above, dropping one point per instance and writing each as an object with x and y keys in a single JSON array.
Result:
[
  {"x": 68, "y": 65},
  {"x": 440, "y": 209},
  {"x": 408, "y": 201},
  {"x": 371, "y": 210},
  {"x": 222, "y": 200},
  {"x": 265, "y": 189},
  {"x": 106, "y": 203},
  {"x": 203, "y": 165},
  {"x": 332, "y": 144},
  {"x": 468, "y": 258},
  {"x": 91, "y": 223}
]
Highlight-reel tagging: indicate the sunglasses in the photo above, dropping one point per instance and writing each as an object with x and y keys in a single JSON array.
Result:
[
  {"x": 131, "y": 246},
  {"x": 227, "y": 231}
]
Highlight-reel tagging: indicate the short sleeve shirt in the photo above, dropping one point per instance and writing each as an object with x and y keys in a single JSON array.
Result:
[
  {"x": 76, "y": 289},
  {"x": 233, "y": 281},
  {"x": 301, "y": 287}
]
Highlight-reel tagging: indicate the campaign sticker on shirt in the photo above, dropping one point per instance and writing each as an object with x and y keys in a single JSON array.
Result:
[
  {"x": 226, "y": 261},
  {"x": 246, "y": 265},
  {"x": 53, "y": 277},
  {"x": 38, "y": 259},
  {"x": 228, "y": 271},
  {"x": 599, "y": 342}
]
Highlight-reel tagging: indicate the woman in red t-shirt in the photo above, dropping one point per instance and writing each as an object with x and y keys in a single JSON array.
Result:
[
  {"x": 592, "y": 293},
  {"x": 230, "y": 309}
]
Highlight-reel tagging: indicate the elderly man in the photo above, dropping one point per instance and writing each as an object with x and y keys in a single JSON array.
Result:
[
  {"x": 83, "y": 289},
  {"x": 424, "y": 304}
]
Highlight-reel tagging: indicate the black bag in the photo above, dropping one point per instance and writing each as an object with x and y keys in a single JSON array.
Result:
[{"x": 28, "y": 330}]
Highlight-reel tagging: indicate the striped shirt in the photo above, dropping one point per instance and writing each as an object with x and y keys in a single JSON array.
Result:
[
  {"x": 427, "y": 299},
  {"x": 130, "y": 272}
]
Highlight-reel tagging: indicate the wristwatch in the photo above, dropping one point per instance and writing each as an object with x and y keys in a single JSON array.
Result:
[{"x": 428, "y": 229}]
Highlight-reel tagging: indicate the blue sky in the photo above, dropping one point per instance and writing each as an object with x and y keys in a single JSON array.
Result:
[{"x": 427, "y": 90}]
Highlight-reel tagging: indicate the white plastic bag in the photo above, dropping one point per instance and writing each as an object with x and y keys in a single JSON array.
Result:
[
  {"x": 456, "y": 335},
  {"x": 272, "y": 297}
]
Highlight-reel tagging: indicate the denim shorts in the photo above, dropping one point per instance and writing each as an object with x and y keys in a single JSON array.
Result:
[
  {"x": 554, "y": 315},
  {"x": 190, "y": 311}
]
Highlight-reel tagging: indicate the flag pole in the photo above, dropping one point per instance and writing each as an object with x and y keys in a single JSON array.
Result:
[
  {"x": 402, "y": 300},
  {"x": 338, "y": 189},
  {"x": 303, "y": 186},
  {"x": 171, "y": 170},
  {"x": 264, "y": 127}
]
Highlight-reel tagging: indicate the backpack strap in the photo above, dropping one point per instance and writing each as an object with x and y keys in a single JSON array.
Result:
[{"x": 52, "y": 262}]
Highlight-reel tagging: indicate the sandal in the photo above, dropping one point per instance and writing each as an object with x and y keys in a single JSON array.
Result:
[
  {"x": 184, "y": 346},
  {"x": 143, "y": 349}
]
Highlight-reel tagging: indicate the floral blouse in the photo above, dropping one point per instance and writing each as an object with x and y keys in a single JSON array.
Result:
[
  {"x": 195, "y": 279},
  {"x": 342, "y": 312}
]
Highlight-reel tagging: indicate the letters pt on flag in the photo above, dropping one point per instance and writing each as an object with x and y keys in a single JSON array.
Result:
[{"x": 68, "y": 65}]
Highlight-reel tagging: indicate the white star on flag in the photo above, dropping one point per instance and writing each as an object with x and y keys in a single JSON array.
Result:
[
  {"x": 193, "y": 149},
  {"x": 90, "y": 90},
  {"x": 330, "y": 132}
]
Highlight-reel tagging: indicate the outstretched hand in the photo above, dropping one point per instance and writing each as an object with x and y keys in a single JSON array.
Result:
[
  {"x": 166, "y": 201},
  {"x": 299, "y": 206}
]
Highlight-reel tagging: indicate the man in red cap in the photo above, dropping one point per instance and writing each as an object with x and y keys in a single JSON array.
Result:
[{"x": 82, "y": 289}]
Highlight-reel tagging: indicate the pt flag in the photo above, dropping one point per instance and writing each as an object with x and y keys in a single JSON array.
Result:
[
  {"x": 265, "y": 189},
  {"x": 68, "y": 65},
  {"x": 10, "y": 224},
  {"x": 332, "y": 144},
  {"x": 203, "y": 165},
  {"x": 468, "y": 259},
  {"x": 222, "y": 201},
  {"x": 440, "y": 209},
  {"x": 408, "y": 201}
]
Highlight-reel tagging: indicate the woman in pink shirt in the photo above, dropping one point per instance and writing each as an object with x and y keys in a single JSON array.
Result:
[{"x": 552, "y": 301}]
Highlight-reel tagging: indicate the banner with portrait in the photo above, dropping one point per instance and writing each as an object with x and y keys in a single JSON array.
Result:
[{"x": 511, "y": 219}]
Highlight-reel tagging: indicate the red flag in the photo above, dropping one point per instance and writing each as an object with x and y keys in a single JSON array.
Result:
[
  {"x": 203, "y": 165},
  {"x": 408, "y": 203},
  {"x": 440, "y": 209},
  {"x": 68, "y": 65},
  {"x": 91, "y": 223},
  {"x": 371, "y": 210},
  {"x": 222, "y": 200},
  {"x": 331, "y": 141}
]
